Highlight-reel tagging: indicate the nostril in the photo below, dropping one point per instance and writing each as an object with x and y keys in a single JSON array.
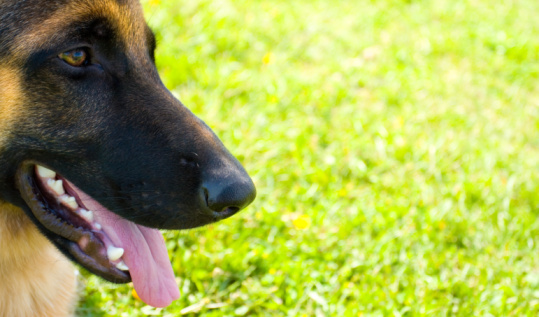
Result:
[
  {"x": 230, "y": 210},
  {"x": 225, "y": 212}
]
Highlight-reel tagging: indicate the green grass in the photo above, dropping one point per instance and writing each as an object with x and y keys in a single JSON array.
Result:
[{"x": 394, "y": 145}]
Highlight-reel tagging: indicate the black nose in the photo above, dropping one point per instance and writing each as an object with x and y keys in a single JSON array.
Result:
[{"x": 226, "y": 196}]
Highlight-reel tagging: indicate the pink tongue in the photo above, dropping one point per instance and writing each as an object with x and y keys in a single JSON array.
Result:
[{"x": 145, "y": 254}]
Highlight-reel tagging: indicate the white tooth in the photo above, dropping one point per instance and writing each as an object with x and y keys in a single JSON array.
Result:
[
  {"x": 122, "y": 266},
  {"x": 97, "y": 226},
  {"x": 57, "y": 186},
  {"x": 71, "y": 202},
  {"x": 45, "y": 172},
  {"x": 114, "y": 253},
  {"x": 87, "y": 215}
]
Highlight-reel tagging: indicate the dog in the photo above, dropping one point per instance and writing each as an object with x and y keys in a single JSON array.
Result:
[{"x": 96, "y": 155}]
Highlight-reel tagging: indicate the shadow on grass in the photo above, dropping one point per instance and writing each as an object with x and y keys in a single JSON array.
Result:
[{"x": 90, "y": 308}]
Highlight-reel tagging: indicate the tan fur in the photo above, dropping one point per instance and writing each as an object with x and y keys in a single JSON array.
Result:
[
  {"x": 127, "y": 18},
  {"x": 36, "y": 280},
  {"x": 10, "y": 98}
]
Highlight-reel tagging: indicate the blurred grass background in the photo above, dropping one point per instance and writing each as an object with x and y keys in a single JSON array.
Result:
[{"x": 395, "y": 149}]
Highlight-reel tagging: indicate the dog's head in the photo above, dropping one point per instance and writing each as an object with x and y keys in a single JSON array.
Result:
[{"x": 96, "y": 150}]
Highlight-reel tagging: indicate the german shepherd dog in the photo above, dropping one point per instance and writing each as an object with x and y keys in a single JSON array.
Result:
[{"x": 96, "y": 155}]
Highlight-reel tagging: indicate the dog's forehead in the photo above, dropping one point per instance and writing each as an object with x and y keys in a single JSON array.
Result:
[{"x": 50, "y": 24}]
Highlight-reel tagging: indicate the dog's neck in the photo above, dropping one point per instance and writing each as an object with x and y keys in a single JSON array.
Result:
[
  {"x": 16, "y": 227},
  {"x": 34, "y": 276}
]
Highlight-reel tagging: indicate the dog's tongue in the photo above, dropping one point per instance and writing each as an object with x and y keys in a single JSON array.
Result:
[{"x": 145, "y": 254}]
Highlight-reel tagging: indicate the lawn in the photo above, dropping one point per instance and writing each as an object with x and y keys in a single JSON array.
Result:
[{"x": 395, "y": 149}]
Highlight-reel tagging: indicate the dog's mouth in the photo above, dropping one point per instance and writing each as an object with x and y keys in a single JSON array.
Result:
[{"x": 98, "y": 239}]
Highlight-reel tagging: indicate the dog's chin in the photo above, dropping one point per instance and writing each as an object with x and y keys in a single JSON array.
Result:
[
  {"x": 102, "y": 242},
  {"x": 72, "y": 230}
]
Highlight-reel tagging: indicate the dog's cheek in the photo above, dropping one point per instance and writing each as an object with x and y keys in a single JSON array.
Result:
[
  {"x": 65, "y": 111},
  {"x": 11, "y": 101}
]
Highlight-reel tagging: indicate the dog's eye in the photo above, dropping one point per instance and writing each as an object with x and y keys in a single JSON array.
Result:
[{"x": 77, "y": 57}]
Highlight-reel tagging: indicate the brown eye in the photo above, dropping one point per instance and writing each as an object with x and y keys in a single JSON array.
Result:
[{"x": 77, "y": 57}]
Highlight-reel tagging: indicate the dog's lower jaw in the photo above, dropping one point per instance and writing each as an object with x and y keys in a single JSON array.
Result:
[{"x": 34, "y": 275}]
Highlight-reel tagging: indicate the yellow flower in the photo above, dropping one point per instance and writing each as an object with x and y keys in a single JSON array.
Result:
[
  {"x": 267, "y": 59},
  {"x": 135, "y": 295},
  {"x": 342, "y": 192},
  {"x": 272, "y": 271},
  {"x": 302, "y": 222}
]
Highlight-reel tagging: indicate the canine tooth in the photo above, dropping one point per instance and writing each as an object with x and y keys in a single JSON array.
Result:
[
  {"x": 45, "y": 172},
  {"x": 88, "y": 215},
  {"x": 122, "y": 266},
  {"x": 57, "y": 186},
  {"x": 114, "y": 253},
  {"x": 97, "y": 226},
  {"x": 69, "y": 201}
]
